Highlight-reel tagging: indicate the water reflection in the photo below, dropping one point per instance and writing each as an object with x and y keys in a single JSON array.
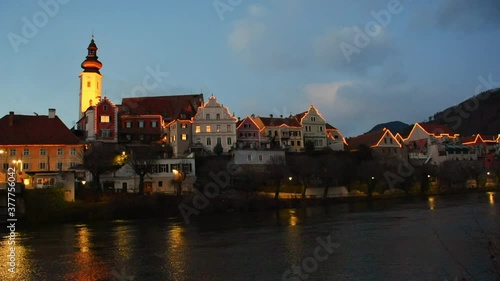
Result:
[
  {"x": 21, "y": 262},
  {"x": 176, "y": 256},
  {"x": 431, "y": 203}
]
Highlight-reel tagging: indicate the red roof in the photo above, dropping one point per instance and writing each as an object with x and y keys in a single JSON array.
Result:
[
  {"x": 368, "y": 139},
  {"x": 437, "y": 129},
  {"x": 276, "y": 122},
  {"x": 300, "y": 116},
  {"x": 170, "y": 107},
  {"x": 40, "y": 129}
]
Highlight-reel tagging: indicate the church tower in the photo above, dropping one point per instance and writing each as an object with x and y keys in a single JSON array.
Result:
[{"x": 90, "y": 79}]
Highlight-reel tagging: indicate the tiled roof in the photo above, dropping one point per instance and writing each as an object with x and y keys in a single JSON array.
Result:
[
  {"x": 368, "y": 139},
  {"x": 276, "y": 122},
  {"x": 40, "y": 129},
  {"x": 170, "y": 107},
  {"x": 330, "y": 127},
  {"x": 437, "y": 129},
  {"x": 299, "y": 116}
]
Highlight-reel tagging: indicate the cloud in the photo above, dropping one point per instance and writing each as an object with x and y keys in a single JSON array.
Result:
[
  {"x": 353, "y": 49},
  {"x": 469, "y": 15},
  {"x": 256, "y": 10},
  {"x": 245, "y": 34}
]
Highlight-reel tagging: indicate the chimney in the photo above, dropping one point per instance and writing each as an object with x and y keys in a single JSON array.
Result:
[
  {"x": 11, "y": 118},
  {"x": 270, "y": 115},
  {"x": 52, "y": 113}
]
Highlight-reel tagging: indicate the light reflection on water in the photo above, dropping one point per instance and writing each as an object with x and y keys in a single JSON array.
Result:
[{"x": 384, "y": 240}]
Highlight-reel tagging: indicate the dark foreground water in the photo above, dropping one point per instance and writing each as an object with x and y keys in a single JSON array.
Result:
[{"x": 442, "y": 238}]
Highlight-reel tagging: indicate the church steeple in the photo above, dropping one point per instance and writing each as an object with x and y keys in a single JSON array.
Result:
[
  {"x": 91, "y": 63},
  {"x": 90, "y": 79}
]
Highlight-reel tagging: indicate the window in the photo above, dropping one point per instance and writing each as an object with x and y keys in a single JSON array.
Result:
[
  {"x": 26, "y": 166},
  {"x": 72, "y": 152},
  {"x": 160, "y": 183},
  {"x": 313, "y": 118},
  {"x": 59, "y": 165},
  {"x": 41, "y": 166},
  {"x": 207, "y": 116},
  {"x": 249, "y": 157},
  {"x": 390, "y": 140},
  {"x": 141, "y": 137},
  {"x": 198, "y": 129},
  {"x": 72, "y": 164},
  {"x": 241, "y": 135},
  {"x": 105, "y": 133},
  {"x": 59, "y": 152},
  {"x": 208, "y": 128},
  {"x": 385, "y": 140},
  {"x": 198, "y": 140},
  {"x": 124, "y": 185},
  {"x": 246, "y": 126},
  {"x": 43, "y": 151},
  {"x": 187, "y": 168},
  {"x": 172, "y": 138},
  {"x": 26, "y": 152},
  {"x": 219, "y": 140},
  {"x": 320, "y": 142},
  {"x": 128, "y": 136},
  {"x": 154, "y": 124},
  {"x": 184, "y": 136},
  {"x": 5, "y": 166},
  {"x": 229, "y": 141},
  {"x": 217, "y": 116},
  {"x": 12, "y": 152},
  {"x": 261, "y": 157},
  {"x": 88, "y": 84},
  {"x": 184, "y": 126},
  {"x": 292, "y": 143},
  {"x": 105, "y": 107},
  {"x": 162, "y": 168},
  {"x": 128, "y": 124},
  {"x": 141, "y": 124},
  {"x": 229, "y": 128},
  {"x": 298, "y": 143},
  {"x": 218, "y": 128},
  {"x": 209, "y": 141},
  {"x": 320, "y": 128}
]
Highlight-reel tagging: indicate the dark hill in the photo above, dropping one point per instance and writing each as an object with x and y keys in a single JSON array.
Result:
[
  {"x": 394, "y": 126},
  {"x": 478, "y": 114}
]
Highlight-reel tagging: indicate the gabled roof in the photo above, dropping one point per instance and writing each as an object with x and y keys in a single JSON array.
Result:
[
  {"x": 41, "y": 129},
  {"x": 479, "y": 139},
  {"x": 436, "y": 129},
  {"x": 330, "y": 127},
  {"x": 371, "y": 139},
  {"x": 277, "y": 122},
  {"x": 245, "y": 120},
  {"x": 170, "y": 107}
]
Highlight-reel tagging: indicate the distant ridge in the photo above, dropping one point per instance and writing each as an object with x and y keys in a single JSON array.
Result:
[
  {"x": 477, "y": 115},
  {"x": 394, "y": 126}
]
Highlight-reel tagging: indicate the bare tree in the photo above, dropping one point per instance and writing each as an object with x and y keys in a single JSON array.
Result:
[
  {"x": 277, "y": 171},
  {"x": 142, "y": 159},
  {"x": 98, "y": 159}
]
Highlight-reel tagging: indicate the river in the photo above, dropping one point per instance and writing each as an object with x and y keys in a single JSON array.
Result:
[{"x": 439, "y": 238}]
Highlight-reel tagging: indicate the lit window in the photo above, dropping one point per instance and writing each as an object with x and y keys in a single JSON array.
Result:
[
  {"x": 128, "y": 124},
  {"x": 43, "y": 151},
  {"x": 208, "y": 128},
  {"x": 104, "y": 119},
  {"x": 198, "y": 128},
  {"x": 184, "y": 136},
  {"x": 184, "y": 126},
  {"x": 26, "y": 151},
  {"x": 59, "y": 151},
  {"x": 172, "y": 139}
]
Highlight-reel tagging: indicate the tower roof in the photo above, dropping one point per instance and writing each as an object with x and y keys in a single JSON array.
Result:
[{"x": 91, "y": 62}]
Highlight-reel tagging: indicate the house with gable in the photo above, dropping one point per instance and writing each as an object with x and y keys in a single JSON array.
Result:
[
  {"x": 435, "y": 143},
  {"x": 100, "y": 122},
  {"x": 248, "y": 133},
  {"x": 283, "y": 132},
  {"x": 314, "y": 127},
  {"x": 212, "y": 124},
  {"x": 336, "y": 141},
  {"x": 483, "y": 146},
  {"x": 382, "y": 143}
]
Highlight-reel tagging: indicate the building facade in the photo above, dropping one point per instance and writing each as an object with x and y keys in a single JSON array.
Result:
[{"x": 314, "y": 127}]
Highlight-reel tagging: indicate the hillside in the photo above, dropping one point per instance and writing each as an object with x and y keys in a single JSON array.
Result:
[
  {"x": 394, "y": 126},
  {"x": 478, "y": 114}
]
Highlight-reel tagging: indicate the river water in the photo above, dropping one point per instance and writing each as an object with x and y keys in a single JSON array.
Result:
[{"x": 439, "y": 238}]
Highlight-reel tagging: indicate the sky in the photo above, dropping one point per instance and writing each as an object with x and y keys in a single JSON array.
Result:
[{"x": 360, "y": 63}]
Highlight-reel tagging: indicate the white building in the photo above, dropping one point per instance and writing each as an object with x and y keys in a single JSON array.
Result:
[{"x": 212, "y": 124}]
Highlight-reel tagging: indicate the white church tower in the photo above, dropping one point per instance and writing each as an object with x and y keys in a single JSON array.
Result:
[{"x": 90, "y": 80}]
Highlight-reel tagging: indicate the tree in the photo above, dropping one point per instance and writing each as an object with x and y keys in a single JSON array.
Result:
[
  {"x": 218, "y": 149},
  {"x": 303, "y": 167},
  {"x": 99, "y": 158},
  {"x": 309, "y": 147},
  {"x": 142, "y": 160},
  {"x": 277, "y": 171}
]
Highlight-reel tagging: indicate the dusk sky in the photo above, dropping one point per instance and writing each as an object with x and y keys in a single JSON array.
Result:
[{"x": 261, "y": 57}]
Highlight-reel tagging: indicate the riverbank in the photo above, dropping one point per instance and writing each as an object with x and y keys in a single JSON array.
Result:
[{"x": 48, "y": 206}]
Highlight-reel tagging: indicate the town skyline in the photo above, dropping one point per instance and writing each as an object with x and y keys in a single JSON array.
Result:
[{"x": 431, "y": 65}]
